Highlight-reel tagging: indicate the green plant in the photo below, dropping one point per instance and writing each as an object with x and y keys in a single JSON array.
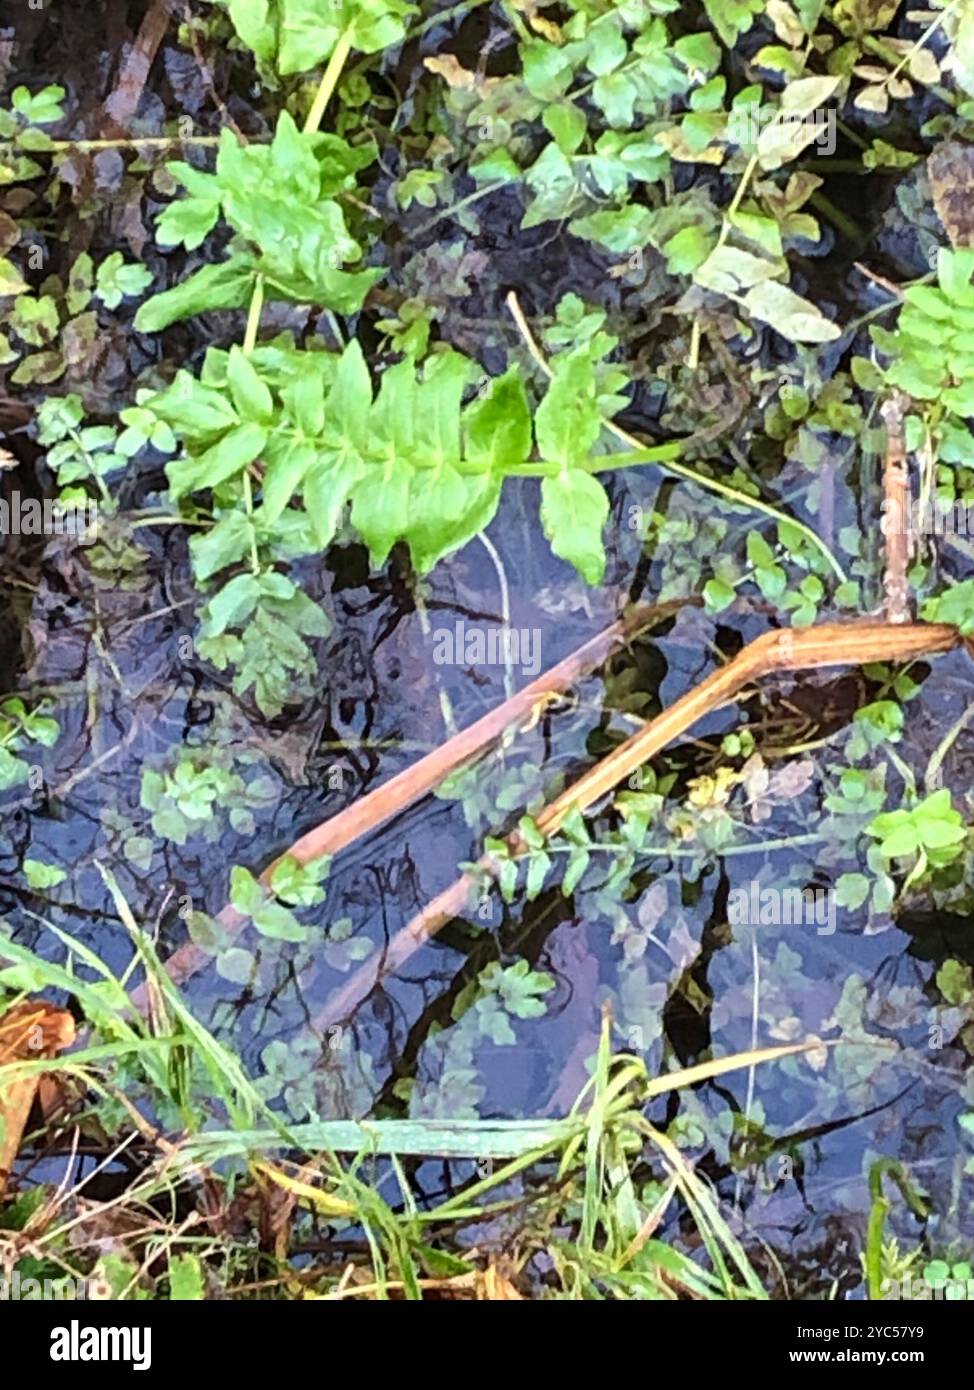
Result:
[
  {"x": 191, "y": 796},
  {"x": 19, "y": 728},
  {"x": 300, "y": 261},
  {"x": 78, "y": 453},
  {"x": 930, "y": 833},
  {"x": 930, "y": 350}
]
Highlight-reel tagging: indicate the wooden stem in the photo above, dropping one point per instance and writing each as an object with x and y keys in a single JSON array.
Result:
[{"x": 832, "y": 644}]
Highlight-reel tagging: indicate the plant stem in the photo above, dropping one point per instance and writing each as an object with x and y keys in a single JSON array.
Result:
[
  {"x": 329, "y": 81},
  {"x": 249, "y": 343},
  {"x": 253, "y": 316}
]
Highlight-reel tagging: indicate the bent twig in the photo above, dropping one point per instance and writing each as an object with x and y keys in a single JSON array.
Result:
[
  {"x": 403, "y": 790},
  {"x": 832, "y": 644}
]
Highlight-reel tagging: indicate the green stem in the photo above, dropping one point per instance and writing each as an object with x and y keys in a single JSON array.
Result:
[
  {"x": 879, "y": 1210},
  {"x": 329, "y": 82},
  {"x": 466, "y": 202},
  {"x": 325, "y": 90},
  {"x": 840, "y": 221},
  {"x": 249, "y": 343},
  {"x": 253, "y": 316}
]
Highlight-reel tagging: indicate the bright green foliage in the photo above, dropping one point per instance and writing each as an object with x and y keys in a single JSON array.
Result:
[
  {"x": 932, "y": 829},
  {"x": 77, "y": 452},
  {"x": 270, "y": 918},
  {"x": 299, "y": 255},
  {"x": 41, "y": 876},
  {"x": 186, "y": 1281},
  {"x": 299, "y": 884},
  {"x": 954, "y": 606},
  {"x": 19, "y": 728},
  {"x": 732, "y": 18},
  {"x": 933, "y": 356},
  {"x": 19, "y": 131},
  {"x": 298, "y": 35},
  {"x": 116, "y": 281},
  {"x": 417, "y": 464}
]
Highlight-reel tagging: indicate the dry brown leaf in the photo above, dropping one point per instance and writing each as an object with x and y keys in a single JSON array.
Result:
[
  {"x": 493, "y": 1286},
  {"x": 545, "y": 27},
  {"x": 951, "y": 172},
  {"x": 30, "y": 1030},
  {"x": 455, "y": 75}
]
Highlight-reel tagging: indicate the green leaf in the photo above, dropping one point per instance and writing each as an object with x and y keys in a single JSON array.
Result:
[
  {"x": 689, "y": 251},
  {"x": 185, "y": 1279},
  {"x": 796, "y": 319},
  {"x": 567, "y": 123},
  {"x": 255, "y": 26},
  {"x": 437, "y": 432},
  {"x": 955, "y": 982},
  {"x": 327, "y": 487},
  {"x": 251, "y": 397},
  {"x": 238, "y": 447},
  {"x": 273, "y": 920},
  {"x": 246, "y": 894},
  {"x": 41, "y": 108},
  {"x": 497, "y": 425},
  {"x": 718, "y": 595},
  {"x": 852, "y": 890},
  {"x": 225, "y": 286},
  {"x": 954, "y": 607},
  {"x": 116, "y": 281},
  {"x": 236, "y": 965},
  {"x": 350, "y": 397},
  {"x": 304, "y": 400},
  {"x": 729, "y": 270},
  {"x": 233, "y": 605},
  {"x": 227, "y": 543},
  {"x": 568, "y": 421},
  {"x": 14, "y": 771},
  {"x": 40, "y": 875},
  {"x": 574, "y": 508},
  {"x": 287, "y": 466},
  {"x": 445, "y": 511}
]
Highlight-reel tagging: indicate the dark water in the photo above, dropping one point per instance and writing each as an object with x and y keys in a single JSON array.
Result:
[{"x": 114, "y": 659}]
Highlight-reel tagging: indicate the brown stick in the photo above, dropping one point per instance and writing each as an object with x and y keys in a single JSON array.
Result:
[
  {"x": 122, "y": 102},
  {"x": 832, "y": 644},
  {"x": 896, "y": 514},
  {"x": 422, "y": 777}
]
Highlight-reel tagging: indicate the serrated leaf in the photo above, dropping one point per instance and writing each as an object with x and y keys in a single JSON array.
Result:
[
  {"x": 568, "y": 421},
  {"x": 232, "y": 605},
  {"x": 238, "y": 447},
  {"x": 225, "y": 286}
]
